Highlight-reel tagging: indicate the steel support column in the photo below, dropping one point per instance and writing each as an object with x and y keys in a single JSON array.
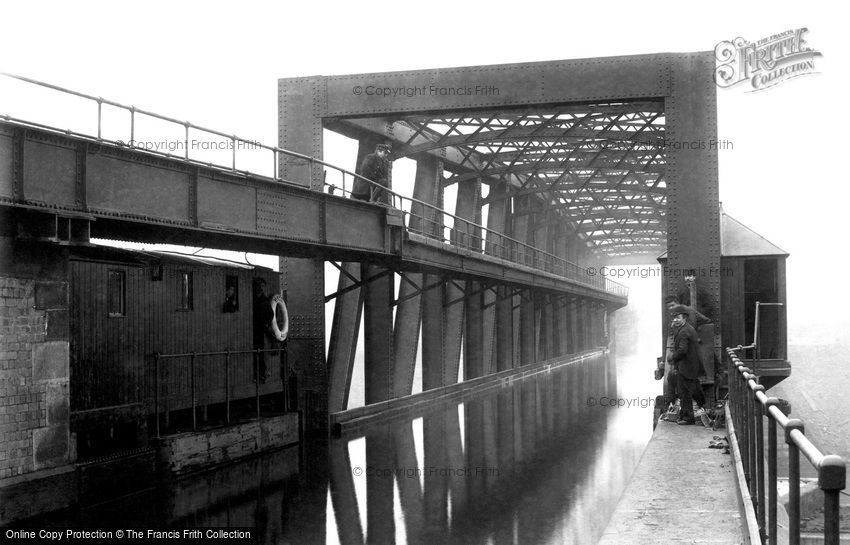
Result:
[
  {"x": 542, "y": 238},
  {"x": 344, "y": 332},
  {"x": 527, "y": 326},
  {"x": 559, "y": 310},
  {"x": 495, "y": 303},
  {"x": 302, "y": 102},
  {"x": 467, "y": 208},
  {"x": 574, "y": 325},
  {"x": 408, "y": 318},
  {"x": 433, "y": 341},
  {"x": 504, "y": 329},
  {"x": 581, "y": 338},
  {"x": 473, "y": 346},
  {"x": 693, "y": 216},
  {"x": 378, "y": 315}
]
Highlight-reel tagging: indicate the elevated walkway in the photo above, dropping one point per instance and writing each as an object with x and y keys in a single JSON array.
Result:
[{"x": 681, "y": 492}]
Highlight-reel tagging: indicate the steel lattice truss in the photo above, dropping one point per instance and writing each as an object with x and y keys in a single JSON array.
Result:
[{"x": 601, "y": 167}]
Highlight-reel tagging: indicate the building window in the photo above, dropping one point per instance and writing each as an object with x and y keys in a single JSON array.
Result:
[
  {"x": 185, "y": 295},
  {"x": 231, "y": 294},
  {"x": 115, "y": 293}
]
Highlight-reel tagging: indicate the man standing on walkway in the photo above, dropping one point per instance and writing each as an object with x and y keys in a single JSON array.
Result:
[
  {"x": 373, "y": 167},
  {"x": 686, "y": 362}
]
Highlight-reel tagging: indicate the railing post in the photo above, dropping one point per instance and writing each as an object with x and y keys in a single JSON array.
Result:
[
  {"x": 186, "y": 140},
  {"x": 771, "y": 471},
  {"x": 156, "y": 393},
  {"x": 257, "y": 380},
  {"x": 746, "y": 425},
  {"x": 793, "y": 481},
  {"x": 759, "y": 458},
  {"x": 192, "y": 387},
  {"x": 227, "y": 386},
  {"x": 99, "y": 117},
  {"x": 832, "y": 475}
]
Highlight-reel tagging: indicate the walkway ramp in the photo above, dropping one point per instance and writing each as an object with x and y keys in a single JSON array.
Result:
[{"x": 681, "y": 492}]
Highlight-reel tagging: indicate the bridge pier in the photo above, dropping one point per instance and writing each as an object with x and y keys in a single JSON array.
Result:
[
  {"x": 378, "y": 319},
  {"x": 344, "y": 332},
  {"x": 473, "y": 342}
]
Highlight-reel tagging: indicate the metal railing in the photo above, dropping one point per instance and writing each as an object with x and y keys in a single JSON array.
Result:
[
  {"x": 435, "y": 223},
  {"x": 421, "y": 217},
  {"x": 193, "y": 356},
  {"x": 749, "y": 406}
]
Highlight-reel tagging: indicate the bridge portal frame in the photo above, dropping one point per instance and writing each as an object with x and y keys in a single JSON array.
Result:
[{"x": 684, "y": 81}]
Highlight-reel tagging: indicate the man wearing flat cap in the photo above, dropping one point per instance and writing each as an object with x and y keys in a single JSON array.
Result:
[
  {"x": 373, "y": 167},
  {"x": 686, "y": 362}
]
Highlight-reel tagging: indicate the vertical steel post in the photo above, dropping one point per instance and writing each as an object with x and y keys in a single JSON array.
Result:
[
  {"x": 300, "y": 107},
  {"x": 497, "y": 214},
  {"x": 759, "y": 413},
  {"x": 186, "y": 140},
  {"x": 345, "y": 330},
  {"x": 748, "y": 397},
  {"x": 772, "y": 471},
  {"x": 832, "y": 475},
  {"x": 473, "y": 340},
  {"x": 192, "y": 387},
  {"x": 100, "y": 117},
  {"x": 745, "y": 422},
  {"x": 793, "y": 481},
  {"x": 257, "y": 379},
  {"x": 227, "y": 386},
  {"x": 378, "y": 297},
  {"x": 504, "y": 328},
  {"x": 156, "y": 394}
]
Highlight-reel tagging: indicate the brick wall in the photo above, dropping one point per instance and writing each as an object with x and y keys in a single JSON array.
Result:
[
  {"x": 33, "y": 375},
  {"x": 22, "y": 403},
  {"x": 34, "y": 358}
]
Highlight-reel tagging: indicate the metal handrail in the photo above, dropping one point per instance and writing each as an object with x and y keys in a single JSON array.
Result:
[
  {"x": 749, "y": 406},
  {"x": 158, "y": 357},
  {"x": 508, "y": 248}
]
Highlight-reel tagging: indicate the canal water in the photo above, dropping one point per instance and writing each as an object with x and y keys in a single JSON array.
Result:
[{"x": 539, "y": 461}]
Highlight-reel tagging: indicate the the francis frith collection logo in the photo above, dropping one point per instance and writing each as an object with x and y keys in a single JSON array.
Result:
[{"x": 765, "y": 63}]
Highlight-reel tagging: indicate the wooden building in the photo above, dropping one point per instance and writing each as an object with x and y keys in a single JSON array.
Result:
[
  {"x": 128, "y": 306},
  {"x": 752, "y": 269}
]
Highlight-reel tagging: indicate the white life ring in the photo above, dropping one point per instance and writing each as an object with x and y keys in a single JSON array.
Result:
[{"x": 278, "y": 305}]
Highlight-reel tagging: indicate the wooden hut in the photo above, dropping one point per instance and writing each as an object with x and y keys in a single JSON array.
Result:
[{"x": 126, "y": 307}]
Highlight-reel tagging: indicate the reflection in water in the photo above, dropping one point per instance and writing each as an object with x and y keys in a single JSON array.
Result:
[
  {"x": 538, "y": 462},
  {"x": 535, "y": 462}
]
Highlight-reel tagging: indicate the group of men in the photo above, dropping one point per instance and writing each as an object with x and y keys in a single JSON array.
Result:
[{"x": 684, "y": 365}]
